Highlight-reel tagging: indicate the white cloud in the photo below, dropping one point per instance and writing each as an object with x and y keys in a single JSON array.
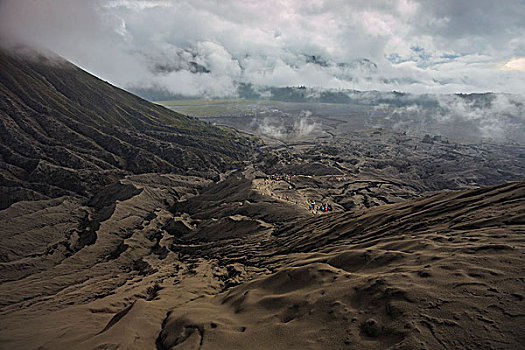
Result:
[
  {"x": 200, "y": 46},
  {"x": 515, "y": 64}
]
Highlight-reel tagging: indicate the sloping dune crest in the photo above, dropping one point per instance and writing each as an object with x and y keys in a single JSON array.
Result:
[{"x": 442, "y": 272}]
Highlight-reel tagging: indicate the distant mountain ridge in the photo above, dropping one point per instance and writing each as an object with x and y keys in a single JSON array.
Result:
[
  {"x": 64, "y": 131},
  {"x": 343, "y": 96}
]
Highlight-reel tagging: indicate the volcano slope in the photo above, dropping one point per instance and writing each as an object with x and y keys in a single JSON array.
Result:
[
  {"x": 104, "y": 250},
  {"x": 445, "y": 271},
  {"x": 442, "y": 271},
  {"x": 66, "y": 132}
]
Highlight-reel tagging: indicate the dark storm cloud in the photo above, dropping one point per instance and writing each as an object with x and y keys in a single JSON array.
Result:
[{"x": 205, "y": 47}]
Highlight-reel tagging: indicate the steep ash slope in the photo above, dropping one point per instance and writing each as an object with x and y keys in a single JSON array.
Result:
[
  {"x": 181, "y": 262},
  {"x": 444, "y": 271},
  {"x": 64, "y": 131}
]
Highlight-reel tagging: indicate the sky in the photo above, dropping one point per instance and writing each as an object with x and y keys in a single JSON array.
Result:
[{"x": 208, "y": 47}]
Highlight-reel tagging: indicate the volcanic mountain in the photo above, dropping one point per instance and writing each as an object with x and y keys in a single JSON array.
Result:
[
  {"x": 126, "y": 226},
  {"x": 64, "y": 131}
]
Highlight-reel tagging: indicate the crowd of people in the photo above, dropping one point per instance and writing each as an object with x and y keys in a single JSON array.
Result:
[
  {"x": 283, "y": 176},
  {"x": 323, "y": 207}
]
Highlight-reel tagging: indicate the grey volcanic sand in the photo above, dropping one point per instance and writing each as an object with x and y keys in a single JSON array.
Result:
[{"x": 441, "y": 271}]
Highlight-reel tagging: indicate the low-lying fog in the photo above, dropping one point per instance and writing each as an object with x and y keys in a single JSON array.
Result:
[{"x": 494, "y": 118}]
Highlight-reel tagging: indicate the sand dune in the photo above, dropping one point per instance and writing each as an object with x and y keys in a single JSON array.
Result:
[{"x": 442, "y": 271}]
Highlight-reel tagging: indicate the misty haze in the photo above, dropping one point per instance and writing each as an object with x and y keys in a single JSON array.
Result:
[{"x": 262, "y": 174}]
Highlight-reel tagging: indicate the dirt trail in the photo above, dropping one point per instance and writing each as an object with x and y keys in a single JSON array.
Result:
[{"x": 285, "y": 191}]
